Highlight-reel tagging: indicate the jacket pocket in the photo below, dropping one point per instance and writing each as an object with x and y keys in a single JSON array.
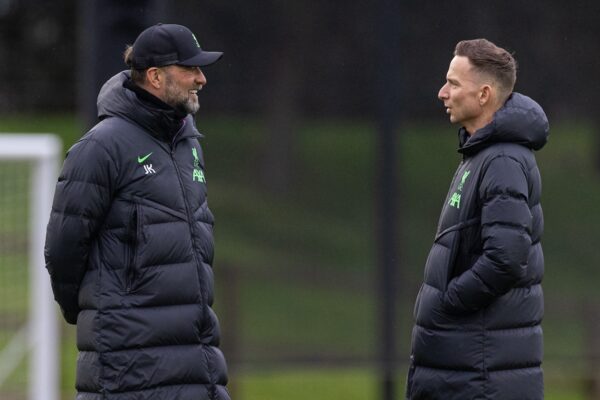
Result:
[
  {"x": 135, "y": 231},
  {"x": 453, "y": 243}
]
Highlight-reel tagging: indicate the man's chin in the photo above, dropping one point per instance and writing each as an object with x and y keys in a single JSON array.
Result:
[{"x": 191, "y": 107}]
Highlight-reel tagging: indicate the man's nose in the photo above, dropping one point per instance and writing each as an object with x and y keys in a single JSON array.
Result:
[
  {"x": 443, "y": 93},
  {"x": 200, "y": 77}
]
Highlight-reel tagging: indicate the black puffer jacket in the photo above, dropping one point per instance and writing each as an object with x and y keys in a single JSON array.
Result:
[
  {"x": 129, "y": 249},
  {"x": 478, "y": 312}
]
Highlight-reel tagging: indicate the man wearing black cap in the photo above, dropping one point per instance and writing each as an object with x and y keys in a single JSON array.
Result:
[{"x": 129, "y": 245}]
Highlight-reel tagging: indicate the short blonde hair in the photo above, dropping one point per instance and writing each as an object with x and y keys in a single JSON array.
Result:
[{"x": 491, "y": 60}]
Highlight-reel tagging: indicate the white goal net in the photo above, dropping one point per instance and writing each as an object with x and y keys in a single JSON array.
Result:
[{"x": 29, "y": 345}]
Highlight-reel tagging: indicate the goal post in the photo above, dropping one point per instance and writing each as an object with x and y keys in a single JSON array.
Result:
[{"x": 38, "y": 336}]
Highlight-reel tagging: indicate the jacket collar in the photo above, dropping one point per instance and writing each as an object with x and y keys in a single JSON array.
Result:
[
  {"x": 520, "y": 120},
  {"x": 122, "y": 98},
  {"x": 168, "y": 120}
]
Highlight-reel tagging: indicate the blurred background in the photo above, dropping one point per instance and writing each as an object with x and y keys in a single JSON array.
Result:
[{"x": 328, "y": 159}]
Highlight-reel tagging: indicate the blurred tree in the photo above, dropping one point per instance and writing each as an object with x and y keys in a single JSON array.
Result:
[
  {"x": 298, "y": 58},
  {"x": 105, "y": 28},
  {"x": 37, "y": 39},
  {"x": 317, "y": 65},
  {"x": 295, "y": 31}
]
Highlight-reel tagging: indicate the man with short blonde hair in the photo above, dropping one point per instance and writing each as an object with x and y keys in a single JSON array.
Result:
[
  {"x": 477, "y": 331},
  {"x": 491, "y": 61}
]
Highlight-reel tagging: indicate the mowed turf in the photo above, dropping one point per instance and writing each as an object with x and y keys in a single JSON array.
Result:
[{"x": 296, "y": 270}]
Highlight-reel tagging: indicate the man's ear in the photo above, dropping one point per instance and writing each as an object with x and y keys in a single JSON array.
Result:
[
  {"x": 154, "y": 77},
  {"x": 486, "y": 94}
]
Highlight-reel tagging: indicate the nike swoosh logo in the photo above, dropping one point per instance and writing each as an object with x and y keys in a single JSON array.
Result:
[{"x": 142, "y": 159}]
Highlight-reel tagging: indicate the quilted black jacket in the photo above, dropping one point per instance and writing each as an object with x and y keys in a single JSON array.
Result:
[
  {"x": 478, "y": 313},
  {"x": 130, "y": 249}
]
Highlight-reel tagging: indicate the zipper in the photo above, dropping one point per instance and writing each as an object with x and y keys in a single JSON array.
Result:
[
  {"x": 190, "y": 221},
  {"x": 457, "y": 227},
  {"x": 134, "y": 229},
  {"x": 409, "y": 378}
]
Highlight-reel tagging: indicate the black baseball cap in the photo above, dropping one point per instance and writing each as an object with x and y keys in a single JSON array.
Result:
[{"x": 167, "y": 44}]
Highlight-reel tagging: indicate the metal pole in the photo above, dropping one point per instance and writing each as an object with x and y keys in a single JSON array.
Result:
[
  {"x": 43, "y": 323},
  {"x": 387, "y": 262},
  {"x": 388, "y": 91}
]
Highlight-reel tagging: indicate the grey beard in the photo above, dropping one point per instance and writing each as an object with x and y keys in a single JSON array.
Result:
[
  {"x": 191, "y": 107},
  {"x": 180, "y": 103},
  {"x": 185, "y": 106}
]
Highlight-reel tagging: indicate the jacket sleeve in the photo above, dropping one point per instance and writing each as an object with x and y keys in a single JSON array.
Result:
[
  {"x": 81, "y": 199},
  {"x": 506, "y": 224}
]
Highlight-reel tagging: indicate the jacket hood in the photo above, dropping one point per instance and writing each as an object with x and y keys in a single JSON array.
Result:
[
  {"x": 521, "y": 120},
  {"x": 161, "y": 120}
]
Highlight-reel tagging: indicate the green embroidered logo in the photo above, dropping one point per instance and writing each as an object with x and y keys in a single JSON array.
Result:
[
  {"x": 198, "y": 174},
  {"x": 455, "y": 199},
  {"x": 142, "y": 159},
  {"x": 195, "y": 40},
  {"x": 463, "y": 179}
]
